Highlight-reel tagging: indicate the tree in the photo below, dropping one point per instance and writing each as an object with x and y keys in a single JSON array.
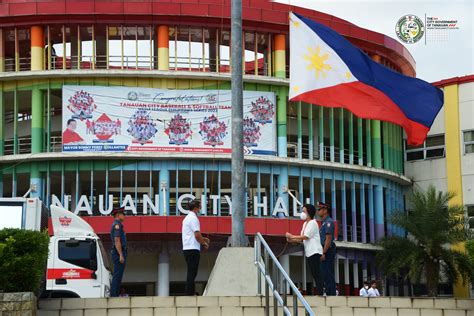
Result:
[{"x": 432, "y": 226}]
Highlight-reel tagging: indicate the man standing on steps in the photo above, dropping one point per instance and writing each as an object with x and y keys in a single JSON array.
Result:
[
  {"x": 192, "y": 242},
  {"x": 327, "y": 237},
  {"x": 119, "y": 250}
]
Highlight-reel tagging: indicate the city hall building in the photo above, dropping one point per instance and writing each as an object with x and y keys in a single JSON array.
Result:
[{"x": 110, "y": 103}]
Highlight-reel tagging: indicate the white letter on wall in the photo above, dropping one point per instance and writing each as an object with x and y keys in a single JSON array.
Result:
[{"x": 110, "y": 205}]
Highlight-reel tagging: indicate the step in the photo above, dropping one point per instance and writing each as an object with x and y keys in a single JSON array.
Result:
[{"x": 252, "y": 306}]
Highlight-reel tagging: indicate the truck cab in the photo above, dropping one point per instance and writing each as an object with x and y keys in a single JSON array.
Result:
[{"x": 77, "y": 263}]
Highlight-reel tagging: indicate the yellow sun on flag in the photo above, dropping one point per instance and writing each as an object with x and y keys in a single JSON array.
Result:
[{"x": 317, "y": 61}]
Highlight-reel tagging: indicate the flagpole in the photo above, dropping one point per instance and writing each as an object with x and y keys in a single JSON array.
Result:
[{"x": 238, "y": 171}]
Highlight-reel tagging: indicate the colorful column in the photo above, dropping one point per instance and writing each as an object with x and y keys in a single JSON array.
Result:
[
  {"x": 354, "y": 211},
  {"x": 163, "y": 47},
  {"x": 331, "y": 134},
  {"x": 371, "y": 214},
  {"x": 368, "y": 142},
  {"x": 164, "y": 187},
  {"x": 386, "y": 156},
  {"x": 281, "y": 121},
  {"x": 379, "y": 212},
  {"x": 351, "y": 138},
  {"x": 37, "y": 48},
  {"x": 2, "y": 51},
  {"x": 344, "y": 207},
  {"x": 321, "y": 133},
  {"x": 341, "y": 136},
  {"x": 2, "y": 135},
  {"x": 360, "y": 141},
  {"x": 283, "y": 186},
  {"x": 37, "y": 130},
  {"x": 280, "y": 55},
  {"x": 453, "y": 162},
  {"x": 310, "y": 132},
  {"x": 163, "y": 288},
  {"x": 299, "y": 130},
  {"x": 362, "y": 211},
  {"x": 375, "y": 133}
]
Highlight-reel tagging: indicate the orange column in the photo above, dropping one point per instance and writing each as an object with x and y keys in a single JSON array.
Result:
[
  {"x": 37, "y": 48},
  {"x": 163, "y": 47},
  {"x": 280, "y": 55}
]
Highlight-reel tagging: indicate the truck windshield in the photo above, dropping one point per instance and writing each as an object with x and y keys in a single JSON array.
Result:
[
  {"x": 78, "y": 252},
  {"x": 105, "y": 258}
]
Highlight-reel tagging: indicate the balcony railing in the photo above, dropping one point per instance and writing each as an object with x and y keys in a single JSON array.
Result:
[{"x": 175, "y": 63}]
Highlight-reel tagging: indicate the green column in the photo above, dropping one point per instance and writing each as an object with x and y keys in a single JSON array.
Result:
[
  {"x": 386, "y": 156},
  {"x": 360, "y": 145},
  {"x": 331, "y": 134},
  {"x": 368, "y": 142},
  {"x": 321, "y": 133},
  {"x": 310, "y": 131},
  {"x": 37, "y": 112},
  {"x": 281, "y": 121},
  {"x": 15, "y": 122},
  {"x": 300, "y": 130},
  {"x": 341, "y": 135},
  {"x": 351, "y": 138},
  {"x": 48, "y": 119},
  {"x": 376, "y": 144}
]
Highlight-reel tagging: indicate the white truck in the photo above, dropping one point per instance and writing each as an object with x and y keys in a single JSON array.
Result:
[{"x": 77, "y": 264}]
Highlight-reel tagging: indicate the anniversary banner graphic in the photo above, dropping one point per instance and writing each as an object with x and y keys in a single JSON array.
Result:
[{"x": 99, "y": 118}]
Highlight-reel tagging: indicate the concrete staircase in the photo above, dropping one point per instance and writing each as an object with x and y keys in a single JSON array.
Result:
[{"x": 253, "y": 306}]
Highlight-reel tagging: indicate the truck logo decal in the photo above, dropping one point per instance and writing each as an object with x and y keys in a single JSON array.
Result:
[
  {"x": 69, "y": 273},
  {"x": 65, "y": 221}
]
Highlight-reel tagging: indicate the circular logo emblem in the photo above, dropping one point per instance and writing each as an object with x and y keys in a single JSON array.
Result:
[
  {"x": 410, "y": 29},
  {"x": 132, "y": 96}
]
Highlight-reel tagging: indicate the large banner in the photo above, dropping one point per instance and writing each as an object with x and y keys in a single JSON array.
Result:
[{"x": 142, "y": 119}]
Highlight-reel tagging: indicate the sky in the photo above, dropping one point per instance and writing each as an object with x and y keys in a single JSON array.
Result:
[{"x": 450, "y": 55}]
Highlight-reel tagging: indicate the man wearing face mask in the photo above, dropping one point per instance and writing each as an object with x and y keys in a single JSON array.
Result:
[
  {"x": 364, "y": 291},
  {"x": 312, "y": 244}
]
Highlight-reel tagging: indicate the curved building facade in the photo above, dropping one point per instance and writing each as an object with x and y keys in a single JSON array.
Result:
[{"x": 125, "y": 54}]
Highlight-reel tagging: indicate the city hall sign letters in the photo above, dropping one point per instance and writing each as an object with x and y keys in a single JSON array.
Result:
[{"x": 152, "y": 205}]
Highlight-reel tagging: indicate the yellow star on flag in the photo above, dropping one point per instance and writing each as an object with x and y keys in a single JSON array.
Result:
[
  {"x": 317, "y": 61},
  {"x": 348, "y": 75},
  {"x": 296, "y": 89}
]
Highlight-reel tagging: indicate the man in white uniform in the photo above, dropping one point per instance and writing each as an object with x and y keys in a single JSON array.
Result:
[
  {"x": 192, "y": 241},
  {"x": 373, "y": 292}
]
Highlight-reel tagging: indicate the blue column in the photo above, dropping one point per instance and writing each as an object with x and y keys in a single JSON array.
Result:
[
  {"x": 333, "y": 198},
  {"x": 379, "y": 212},
  {"x": 371, "y": 214},
  {"x": 354, "y": 211},
  {"x": 362, "y": 211},
  {"x": 323, "y": 188},
  {"x": 388, "y": 206},
  {"x": 36, "y": 181},
  {"x": 164, "y": 180},
  {"x": 283, "y": 183},
  {"x": 344, "y": 207}
]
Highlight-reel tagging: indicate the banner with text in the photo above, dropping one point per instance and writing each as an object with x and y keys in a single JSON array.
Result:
[{"x": 156, "y": 120}]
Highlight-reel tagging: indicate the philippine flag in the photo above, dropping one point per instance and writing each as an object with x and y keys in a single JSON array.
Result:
[{"x": 327, "y": 70}]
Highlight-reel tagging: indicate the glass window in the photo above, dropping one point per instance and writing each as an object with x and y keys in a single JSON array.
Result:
[
  {"x": 433, "y": 147},
  {"x": 82, "y": 253},
  {"x": 469, "y": 142}
]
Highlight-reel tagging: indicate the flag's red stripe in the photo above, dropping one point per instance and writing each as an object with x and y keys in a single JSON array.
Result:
[{"x": 365, "y": 102}]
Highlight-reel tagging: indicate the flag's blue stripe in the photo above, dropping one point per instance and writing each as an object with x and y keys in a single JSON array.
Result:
[{"x": 419, "y": 100}]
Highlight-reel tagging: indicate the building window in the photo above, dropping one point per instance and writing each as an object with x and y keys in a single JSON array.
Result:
[
  {"x": 469, "y": 142},
  {"x": 432, "y": 148}
]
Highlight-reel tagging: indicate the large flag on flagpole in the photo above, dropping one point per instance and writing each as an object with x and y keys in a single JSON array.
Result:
[{"x": 327, "y": 70}]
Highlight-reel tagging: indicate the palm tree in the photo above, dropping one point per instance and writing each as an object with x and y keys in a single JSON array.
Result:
[{"x": 432, "y": 226}]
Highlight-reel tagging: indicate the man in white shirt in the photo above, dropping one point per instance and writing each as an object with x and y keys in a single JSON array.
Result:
[
  {"x": 373, "y": 292},
  {"x": 364, "y": 291},
  {"x": 192, "y": 241}
]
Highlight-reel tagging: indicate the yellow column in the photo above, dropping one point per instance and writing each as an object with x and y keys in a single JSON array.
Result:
[
  {"x": 37, "y": 48},
  {"x": 163, "y": 47},
  {"x": 280, "y": 55},
  {"x": 453, "y": 162}
]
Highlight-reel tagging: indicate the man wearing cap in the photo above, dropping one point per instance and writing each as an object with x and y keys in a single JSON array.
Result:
[
  {"x": 326, "y": 232},
  {"x": 119, "y": 250}
]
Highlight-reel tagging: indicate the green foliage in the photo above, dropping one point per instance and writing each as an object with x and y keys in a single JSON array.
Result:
[
  {"x": 432, "y": 226},
  {"x": 23, "y": 258},
  {"x": 470, "y": 250}
]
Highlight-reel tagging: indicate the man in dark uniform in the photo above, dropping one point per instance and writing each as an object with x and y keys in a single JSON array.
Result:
[
  {"x": 119, "y": 250},
  {"x": 326, "y": 232}
]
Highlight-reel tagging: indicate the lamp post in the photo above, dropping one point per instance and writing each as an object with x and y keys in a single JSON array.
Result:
[{"x": 238, "y": 168}]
